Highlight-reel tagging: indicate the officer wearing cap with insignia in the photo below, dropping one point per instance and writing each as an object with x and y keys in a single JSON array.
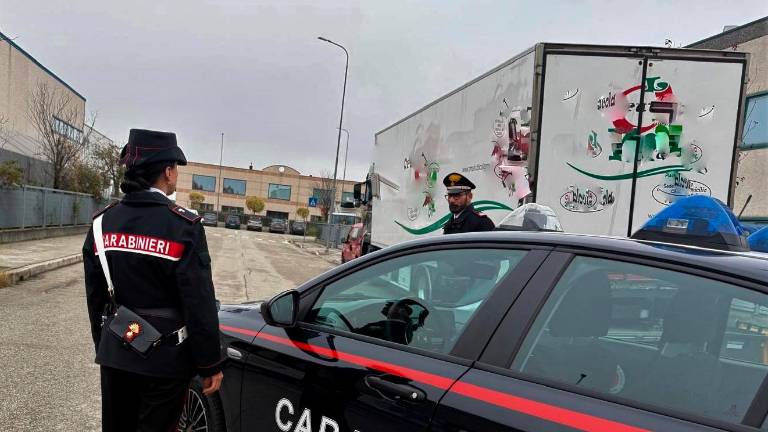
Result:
[
  {"x": 465, "y": 217},
  {"x": 158, "y": 271}
]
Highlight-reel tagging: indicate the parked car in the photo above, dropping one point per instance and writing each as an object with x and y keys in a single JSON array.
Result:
[
  {"x": 210, "y": 219},
  {"x": 511, "y": 331},
  {"x": 353, "y": 244},
  {"x": 254, "y": 224},
  {"x": 277, "y": 226},
  {"x": 505, "y": 331},
  {"x": 298, "y": 228},
  {"x": 232, "y": 221}
]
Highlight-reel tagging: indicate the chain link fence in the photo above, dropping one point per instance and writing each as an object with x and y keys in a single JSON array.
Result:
[{"x": 36, "y": 207}]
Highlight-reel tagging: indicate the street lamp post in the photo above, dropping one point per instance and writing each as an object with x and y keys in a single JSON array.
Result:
[
  {"x": 338, "y": 137},
  {"x": 346, "y": 153},
  {"x": 220, "y": 186}
]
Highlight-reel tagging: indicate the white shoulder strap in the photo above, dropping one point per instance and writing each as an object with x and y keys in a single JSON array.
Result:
[{"x": 98, "y": 237}]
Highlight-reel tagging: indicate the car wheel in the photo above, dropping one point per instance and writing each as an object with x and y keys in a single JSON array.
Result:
[{"x": 200, "y": 412}]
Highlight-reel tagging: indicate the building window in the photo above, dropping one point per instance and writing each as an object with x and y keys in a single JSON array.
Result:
[
  {"x": 272, "y": 215},
  {"x": 755, "y": 126},
  {"x": 63, "y": 128},
  {"x": 320, "y": 193},
  {"x": 348, "y": 197},
  {"x": 203, "y": 183},
  {"x": 205, "y": 207},
  {"x": 228, "y": 209},
  {"x": 278, "y": 191},
  {"x": 234, "y": 187}
]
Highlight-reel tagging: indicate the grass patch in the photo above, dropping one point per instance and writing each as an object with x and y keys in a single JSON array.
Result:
[{"x": 5, "y": 280}]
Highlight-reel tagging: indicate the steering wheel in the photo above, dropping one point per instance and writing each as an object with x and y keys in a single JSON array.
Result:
[
  {"x": 399, "y": 325},
  {"x": 341, "y": 316}
]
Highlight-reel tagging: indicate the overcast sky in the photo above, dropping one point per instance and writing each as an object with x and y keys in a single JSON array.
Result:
[{"x": 255, "y": 70}]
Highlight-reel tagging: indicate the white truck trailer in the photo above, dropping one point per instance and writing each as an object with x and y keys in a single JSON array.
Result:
[{"x": 606, "y": 136}]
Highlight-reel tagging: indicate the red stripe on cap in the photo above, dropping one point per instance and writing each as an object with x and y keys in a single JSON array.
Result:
[{"x": 551, "y": 413}]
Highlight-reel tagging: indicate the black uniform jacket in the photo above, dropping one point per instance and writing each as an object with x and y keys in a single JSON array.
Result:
[
  {"x": 158, "y": 258},
  {"x": 468, "y": 221}
]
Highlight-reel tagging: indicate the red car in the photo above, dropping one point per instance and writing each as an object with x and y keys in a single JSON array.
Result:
[{"x": 353, "y": 244}]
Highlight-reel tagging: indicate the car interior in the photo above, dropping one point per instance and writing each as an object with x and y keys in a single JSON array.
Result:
[
  {"x": 683, "y": 352},
  {"x": 424, "y": 304}
]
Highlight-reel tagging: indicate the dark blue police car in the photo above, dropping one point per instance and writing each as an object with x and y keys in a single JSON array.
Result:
[{"x": 509, "y": 331}]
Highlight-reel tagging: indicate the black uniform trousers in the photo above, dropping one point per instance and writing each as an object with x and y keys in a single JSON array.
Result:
[{"x": 131, "y": 402}]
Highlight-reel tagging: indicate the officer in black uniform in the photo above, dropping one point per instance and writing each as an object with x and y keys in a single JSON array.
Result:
[
  {"x": 465, "y": 217},
  {"x": 160, "y": 269}
]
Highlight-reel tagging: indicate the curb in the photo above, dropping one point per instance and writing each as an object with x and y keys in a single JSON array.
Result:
[
  {"x": 12, "y": 276},
  {"x": 317, "y": 253}
]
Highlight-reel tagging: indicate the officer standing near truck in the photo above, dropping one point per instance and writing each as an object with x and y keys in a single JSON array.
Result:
[
  {"x": 153, "y": 314},
  {"x": 465, "y": 217}
]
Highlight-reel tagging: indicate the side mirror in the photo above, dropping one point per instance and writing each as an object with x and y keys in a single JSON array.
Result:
[
  {"x": 281, "y": 310},
  {"x": 359, "y": 199},
  {"x": 218, "y": 305}
]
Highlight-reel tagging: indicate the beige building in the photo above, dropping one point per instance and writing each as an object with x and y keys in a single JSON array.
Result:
[
  {"x": 20, "y": 74},
  {"x": 752, "y": 171},
  {"x": 282, "y": 188}
]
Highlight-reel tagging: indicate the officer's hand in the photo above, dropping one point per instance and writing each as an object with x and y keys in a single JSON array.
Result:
[{"x": 211, "y": 384}]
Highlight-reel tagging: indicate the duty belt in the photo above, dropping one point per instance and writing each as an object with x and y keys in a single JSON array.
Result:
[{"x": 173, "y": 338}]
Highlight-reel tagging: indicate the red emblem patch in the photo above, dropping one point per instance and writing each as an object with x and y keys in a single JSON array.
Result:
[{"x": 133, "y": 330}]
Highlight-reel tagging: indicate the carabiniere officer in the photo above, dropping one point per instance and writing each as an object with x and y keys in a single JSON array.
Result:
[
  {"x": 464, "y": 216},
  {"x": 160, "y": 269}
]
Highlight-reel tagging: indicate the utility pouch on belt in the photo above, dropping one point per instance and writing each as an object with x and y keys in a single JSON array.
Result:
[{"x": 123, "y": 323}]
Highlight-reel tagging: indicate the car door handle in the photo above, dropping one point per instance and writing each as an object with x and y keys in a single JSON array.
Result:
[
  {"x": 395, "y": 391},
  {"x": 234, "y": 354}
]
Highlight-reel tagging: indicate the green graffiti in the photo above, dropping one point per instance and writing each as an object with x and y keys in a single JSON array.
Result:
[
  {"x": 652, "y": 86},
  {"x": 670, "y": 134},
  {"x": 646, "y": 173},
  {"x": 478, "y": 205},
  {"x": 593, "y": 145}
]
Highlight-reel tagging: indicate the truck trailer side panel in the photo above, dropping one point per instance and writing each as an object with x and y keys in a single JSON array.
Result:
[
  {"x": 688, "y": 104},
  {"x": 457, "y": 133}
]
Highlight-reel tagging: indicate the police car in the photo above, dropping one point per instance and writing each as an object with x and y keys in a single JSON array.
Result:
[{"x": 510, "y": 331}]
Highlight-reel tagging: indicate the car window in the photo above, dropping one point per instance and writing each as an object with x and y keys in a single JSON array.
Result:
[
  {"x": 655, "y": 336},
  {"x": 422, "y": 300}
]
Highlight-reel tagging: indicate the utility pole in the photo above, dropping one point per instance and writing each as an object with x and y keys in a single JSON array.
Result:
[
  {"x": 344, "y": 176},
  {"x": 219, "y": 187},
  {"x": 338, "y": 137}
]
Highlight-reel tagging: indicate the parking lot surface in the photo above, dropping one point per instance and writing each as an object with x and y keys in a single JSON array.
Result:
[{"x": 48, "y": 376}]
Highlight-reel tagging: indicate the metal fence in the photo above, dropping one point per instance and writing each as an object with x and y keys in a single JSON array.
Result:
[
  {"x": 31, "y": 206},
  {"x": 338, "y": 233}
]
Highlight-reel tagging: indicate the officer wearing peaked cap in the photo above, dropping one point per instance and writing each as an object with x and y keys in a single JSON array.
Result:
[
  {"x": 150, "y": 294},
  {"x": 464, "y": 216}
]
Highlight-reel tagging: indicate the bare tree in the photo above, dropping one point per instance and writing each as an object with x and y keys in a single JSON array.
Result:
[
  {"x": 324, "y": 194},
  {"x": 55, "y": 116},
  {"x": 5, "y": 132},
  {"x": 106, "y": 157}
]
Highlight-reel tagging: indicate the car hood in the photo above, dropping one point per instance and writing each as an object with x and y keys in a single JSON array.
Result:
[{"x": 246, "y": 315}]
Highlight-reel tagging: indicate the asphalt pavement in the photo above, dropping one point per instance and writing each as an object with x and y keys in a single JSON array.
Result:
[{"x": 49, "y": 381}]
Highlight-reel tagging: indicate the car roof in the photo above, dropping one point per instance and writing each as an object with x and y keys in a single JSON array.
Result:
[{"x": 741, "y": 264}]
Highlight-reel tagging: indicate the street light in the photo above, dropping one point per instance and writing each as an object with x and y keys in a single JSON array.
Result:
[
  {"x": 220, "y": 186},
  {"x": 344, "y": 176},
  {"x": 338, "y": 137}
]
